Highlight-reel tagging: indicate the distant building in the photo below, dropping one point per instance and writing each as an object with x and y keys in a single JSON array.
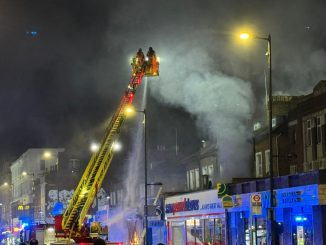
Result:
[
  {"x": 5, "y": 195},
  {"x": 42, "y": 177},
  {"x": 203, "y": 168},
  {"x": 28, "y": 184}
]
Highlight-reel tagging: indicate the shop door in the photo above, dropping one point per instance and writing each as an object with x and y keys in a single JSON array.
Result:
[
  {"x": 302, "y": 230},
  {"x": 178, "y": 235}
]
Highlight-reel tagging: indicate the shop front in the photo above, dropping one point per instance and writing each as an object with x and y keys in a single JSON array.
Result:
[
  {"x": 195, "y": 219},
  {"x": 299, "y": 216}
]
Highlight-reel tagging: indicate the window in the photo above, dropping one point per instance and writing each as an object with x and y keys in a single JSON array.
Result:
[
  {"x": 210, "y": 172},
  {"x": 293, "y": 169},
  {"x": 112, "y": 198},
  {"x": 319, "y": 137},
  {"x": 308, "y": 133},
  {"x": 197, "y": 178},
  {"x": 267, "y": 162},
  {"x": 192, "y": 179},
  {"x": 42, "y": 165},
  {"x": 160, "y": 147},
  {"x": 188, "y": 180},
  {"x": 119, "y": 195},
  {"x": 259, "y": 165},
  {"x": 274, "y": 122},
  {"x": 53, "y": 168},
  {"x": 204, "y": 170},
  {"x": 74, "y": 163}
]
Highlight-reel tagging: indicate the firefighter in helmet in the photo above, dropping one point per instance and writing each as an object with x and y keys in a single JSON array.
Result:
[
  {"x": 140, "y": 58},
  {"x": 151, "y": 54},
  {"x": 152, "y": 61}
]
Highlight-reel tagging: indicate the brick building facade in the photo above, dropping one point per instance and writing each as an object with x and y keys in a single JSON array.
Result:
[{"x": 299, "y": 134}]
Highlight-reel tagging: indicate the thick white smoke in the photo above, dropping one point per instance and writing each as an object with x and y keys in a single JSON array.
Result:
[{"x": 223, "y": 105}]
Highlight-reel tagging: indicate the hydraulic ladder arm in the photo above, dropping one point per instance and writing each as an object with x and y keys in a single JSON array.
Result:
[{"x": 99, "y": 163}]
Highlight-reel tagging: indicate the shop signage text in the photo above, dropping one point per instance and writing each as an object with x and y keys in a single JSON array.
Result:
[
  {"x": 307, "y": 195},
  {"x": 211, "y": 205},
  {"x": 291, "y": 196},
  {"x": 23, "y": 207},
  {"x": 185, "y": 205}
]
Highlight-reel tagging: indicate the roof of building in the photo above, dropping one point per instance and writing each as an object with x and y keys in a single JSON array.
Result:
[{"x": 279, "y": 182}]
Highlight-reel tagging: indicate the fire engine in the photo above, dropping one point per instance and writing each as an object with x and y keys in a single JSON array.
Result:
[{"x": 70, "y": 225}]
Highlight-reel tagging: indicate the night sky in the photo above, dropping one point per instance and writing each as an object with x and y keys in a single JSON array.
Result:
[{"x": 60, "y": 84}]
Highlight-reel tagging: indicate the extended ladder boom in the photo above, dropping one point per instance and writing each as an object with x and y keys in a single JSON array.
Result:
[{"x": 99, "y": 163}]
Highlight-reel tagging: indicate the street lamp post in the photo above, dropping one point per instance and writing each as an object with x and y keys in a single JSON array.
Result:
[
  {"x": 145, "y": 172},
  {"x": 270, "y": 129},
  {"x": 130, "y": 110}
]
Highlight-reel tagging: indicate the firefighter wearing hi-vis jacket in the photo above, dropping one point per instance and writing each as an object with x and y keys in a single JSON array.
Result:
[
  {"x": 152, "y": 61},
  {"x": 140, "y": 58},
  {"x": 148, "y": 65}
]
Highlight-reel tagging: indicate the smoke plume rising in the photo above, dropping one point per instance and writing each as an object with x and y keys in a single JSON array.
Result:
[{"x": 222, "y": 104}]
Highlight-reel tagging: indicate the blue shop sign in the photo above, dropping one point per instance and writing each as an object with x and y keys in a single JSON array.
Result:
[
  {"x": 297, "y": 196},
  {"x": 288, "y": 197}
]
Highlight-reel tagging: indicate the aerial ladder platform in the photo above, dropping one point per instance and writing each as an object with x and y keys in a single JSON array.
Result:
[{"x": 74, "y": 215}]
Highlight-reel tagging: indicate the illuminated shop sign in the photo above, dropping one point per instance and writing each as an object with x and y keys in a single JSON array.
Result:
[
  {"x": 307, "y": 195},
  {"x": 211, "y": 205},
  {"x": 185, "y": 205},
  {"x": 291, "y": 196},
  {"x": 199, "y": 203},
  {"x": 23, "y": 207}
]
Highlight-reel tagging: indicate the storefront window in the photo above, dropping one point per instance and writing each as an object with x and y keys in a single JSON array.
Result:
[
  {"x": 206, "y": 231},
  {"x": 255, "y": 231},
  {"x": 261, "y": 232},
  {"x": 247, "y": 231},
  {"x": 219, "y": 238},
  {"x": 194, "y": 232}
]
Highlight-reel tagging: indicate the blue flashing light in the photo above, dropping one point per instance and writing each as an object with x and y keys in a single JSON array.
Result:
[
  {"x": 32, "y": 33},
  {"x": 25, "y": 225},
  {"x": 300, "y": 218}
]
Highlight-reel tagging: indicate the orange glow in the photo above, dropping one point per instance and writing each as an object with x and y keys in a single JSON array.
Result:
[
  {"x": 16, "y": 229},
  {"x": 135, "y": 239}
]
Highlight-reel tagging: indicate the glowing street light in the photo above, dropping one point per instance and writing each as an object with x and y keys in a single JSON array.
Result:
[
  {"x": 24, "y": 173},
  {"x": 245, "y": 35},
  {"x": 116, "y": 146},
  {"x": 129, "y": 110},
  {"x": 94, "y": 147},
  {"x": 47, "y": 154}
]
